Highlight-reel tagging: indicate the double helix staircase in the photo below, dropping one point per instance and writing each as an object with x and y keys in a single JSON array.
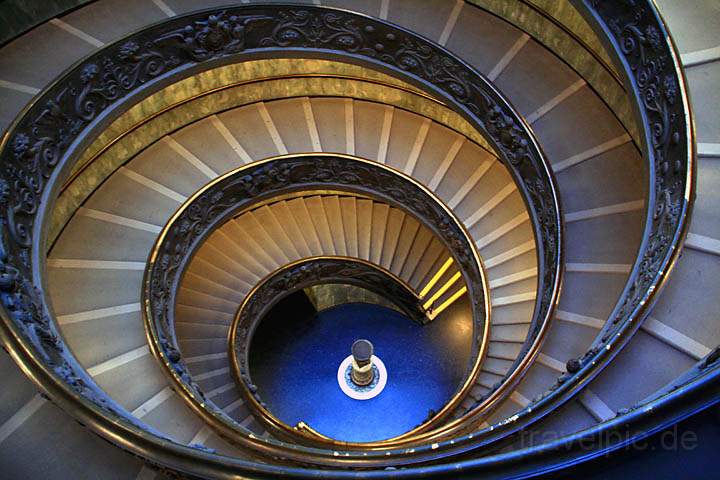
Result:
[{"x": 108, "y": 220}]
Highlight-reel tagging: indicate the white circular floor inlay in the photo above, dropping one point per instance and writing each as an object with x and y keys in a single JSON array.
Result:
[{"x": 355, "y": 391}]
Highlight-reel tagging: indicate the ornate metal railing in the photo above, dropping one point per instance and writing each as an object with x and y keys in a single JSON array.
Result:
[
  {"x": 640, "y": 42},
  {"x": 41, "y": 147},
  {"x": 636, "y": 35},
  {"x": 240, "y": 190}
]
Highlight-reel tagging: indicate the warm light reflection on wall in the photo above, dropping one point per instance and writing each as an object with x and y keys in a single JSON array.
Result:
[
  {"x": 436, "y": 277},
  {"x": 434, "y": 313}
]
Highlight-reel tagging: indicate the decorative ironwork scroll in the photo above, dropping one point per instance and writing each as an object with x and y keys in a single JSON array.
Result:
[{"x": 239, "y": 190}]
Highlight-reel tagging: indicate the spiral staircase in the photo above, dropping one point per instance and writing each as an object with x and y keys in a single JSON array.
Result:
[{"x": 529, "y": 183}]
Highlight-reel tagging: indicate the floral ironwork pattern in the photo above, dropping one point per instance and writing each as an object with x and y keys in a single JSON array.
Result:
[
  {"x": 237, "y": 191},
  {"x": 43, "y": 144},
  {"x": 637, "y": 34}
]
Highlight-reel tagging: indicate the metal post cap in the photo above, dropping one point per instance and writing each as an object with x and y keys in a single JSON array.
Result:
[{"x": 362, "y": 350}]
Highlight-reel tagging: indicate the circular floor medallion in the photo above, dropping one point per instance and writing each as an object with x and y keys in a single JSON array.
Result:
[{"x": 355, "y": 391}]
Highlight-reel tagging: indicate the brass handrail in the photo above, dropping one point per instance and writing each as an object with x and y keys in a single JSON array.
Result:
[
  {"x": 514, "y": 372},
  {"x": 42, "y": 144},
  {"x": 237, "y": 191}
]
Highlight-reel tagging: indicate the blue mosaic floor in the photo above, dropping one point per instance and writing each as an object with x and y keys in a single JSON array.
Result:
[{"x": 294, "y": 363}]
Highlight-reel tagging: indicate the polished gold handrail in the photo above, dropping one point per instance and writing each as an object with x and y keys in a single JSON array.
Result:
[
  {"x": 158, "y": 114},
  {"x": 212, "y": 91},
  {"x": 34, "y": 334},
  {"x": 222, "y": 423},
  {"x": 443, "y": 412}
]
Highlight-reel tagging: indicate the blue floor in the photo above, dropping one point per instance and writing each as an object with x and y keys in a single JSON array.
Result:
[{"x": 294, "y": 363}]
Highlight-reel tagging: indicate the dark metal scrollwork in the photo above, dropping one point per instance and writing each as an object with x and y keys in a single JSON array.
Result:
[
  {"x": 635, "y": 31},
  {"x": 43, "y": 144},
  {"x": 238, "y": 190}
]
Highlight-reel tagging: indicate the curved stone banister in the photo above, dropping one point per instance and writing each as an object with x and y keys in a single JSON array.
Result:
[{"x": 42, "y": 145}]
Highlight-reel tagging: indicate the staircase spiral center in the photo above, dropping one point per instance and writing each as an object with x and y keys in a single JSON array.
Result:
[{"x": 362, "y": 375}]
